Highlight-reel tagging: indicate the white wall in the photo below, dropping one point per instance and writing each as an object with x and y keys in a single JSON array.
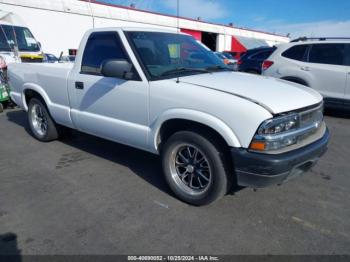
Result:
[
  {"x": 60, "y": 31},
  {"x": 56, "y": 31},
  {"x": 60, "y": 24},
  {"x": 220, "y": 43}
]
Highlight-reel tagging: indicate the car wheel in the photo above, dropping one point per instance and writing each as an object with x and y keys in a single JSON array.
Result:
[
  {"x": 194, "y": 168},
  {"x": 41, "y": 124}
]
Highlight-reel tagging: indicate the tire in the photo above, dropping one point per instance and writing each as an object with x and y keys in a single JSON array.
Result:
[
  {"x": 1, "y": 108},
  {"x": 179, "y": 172},
  {"x": 41, "y": 123}
]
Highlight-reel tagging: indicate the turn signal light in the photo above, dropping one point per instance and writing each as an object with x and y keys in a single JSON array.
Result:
[
  {"x": 267, "y": 64},
  {"x": 259, "y": 146}
]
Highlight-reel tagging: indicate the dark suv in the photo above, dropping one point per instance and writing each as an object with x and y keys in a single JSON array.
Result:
[{"x": 252, "y": 60}]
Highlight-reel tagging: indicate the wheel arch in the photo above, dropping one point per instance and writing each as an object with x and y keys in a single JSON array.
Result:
[
  {"x": 182, "y": 119},
  {"x": 31, "y": 90},
  {"x": 297, "y": 80}
]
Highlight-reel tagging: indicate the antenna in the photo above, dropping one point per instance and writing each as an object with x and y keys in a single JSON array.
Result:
[{"x": 92, "y": 15}]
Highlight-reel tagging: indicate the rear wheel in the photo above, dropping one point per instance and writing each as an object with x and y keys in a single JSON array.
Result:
[
  {"x": 194, "y": 168},
  {"x": 41, "y": 124}
]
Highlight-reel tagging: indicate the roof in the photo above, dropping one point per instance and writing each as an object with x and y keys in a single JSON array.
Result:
[
  {"x": 251, "y": 43},
  {"x": 184, "y": 18},
  {"x": 135, "y": 29},
  {"x": 320, "y": 39}
]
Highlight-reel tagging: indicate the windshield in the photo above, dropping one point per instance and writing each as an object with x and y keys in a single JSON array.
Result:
[
  {"x": 167, "y": 55},
  {"x": 11, "y": 36}
]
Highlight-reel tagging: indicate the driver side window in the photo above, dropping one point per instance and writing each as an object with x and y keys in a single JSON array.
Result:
[{"x": 101, "y": 46}]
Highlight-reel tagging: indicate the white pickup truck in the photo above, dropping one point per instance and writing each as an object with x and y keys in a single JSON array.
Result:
[{"x": 165, "y": 93}]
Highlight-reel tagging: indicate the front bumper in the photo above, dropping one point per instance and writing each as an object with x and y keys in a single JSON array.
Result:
[{"x": 261, "y": 170}]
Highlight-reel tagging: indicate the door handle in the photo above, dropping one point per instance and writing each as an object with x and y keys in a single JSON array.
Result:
[
  {"x": 305, "y": 68},
  {"x": 79, "y": 85}
]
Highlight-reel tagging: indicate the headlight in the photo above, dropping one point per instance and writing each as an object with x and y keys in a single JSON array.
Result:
[
  {"x": 279, "y": 125},
  {"x": 283, "y": 131},
  {"x": 277, "y": 133}
]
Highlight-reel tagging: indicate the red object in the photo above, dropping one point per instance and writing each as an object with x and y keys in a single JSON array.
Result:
[
  {"x": 239, "y": 62},
  {"x": 267, "y": 64},
  {"x": 196, "y": 34},
  {"x": 237, "y": 46},
  {"x": 72, "y": 51}
]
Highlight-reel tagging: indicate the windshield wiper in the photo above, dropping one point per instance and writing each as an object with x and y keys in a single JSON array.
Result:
[{"x": 184, "y": 70}]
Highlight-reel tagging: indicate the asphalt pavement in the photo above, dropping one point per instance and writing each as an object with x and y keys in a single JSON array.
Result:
[{"x": 85, "y": 195}]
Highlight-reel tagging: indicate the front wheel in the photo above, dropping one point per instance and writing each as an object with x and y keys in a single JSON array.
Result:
[
  {"x": 41, "y": 124},
  {"x": 194, "y": 168}
]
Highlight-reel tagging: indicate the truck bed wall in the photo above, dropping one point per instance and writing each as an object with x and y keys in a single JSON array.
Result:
[{"x": 50, "y": 81}]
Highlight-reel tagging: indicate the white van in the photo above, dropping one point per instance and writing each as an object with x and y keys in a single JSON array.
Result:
[{"x": 17, "y": 43}]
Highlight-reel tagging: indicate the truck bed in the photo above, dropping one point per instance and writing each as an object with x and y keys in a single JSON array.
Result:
[
  {"x": 51, "y": 77},
  {"x": 39, "y": 77}
]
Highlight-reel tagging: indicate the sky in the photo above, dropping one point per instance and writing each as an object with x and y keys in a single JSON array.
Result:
[{"x": 294, "y": 17}]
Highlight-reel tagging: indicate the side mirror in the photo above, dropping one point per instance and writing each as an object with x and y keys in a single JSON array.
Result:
[{"x": 117, "y": 68}]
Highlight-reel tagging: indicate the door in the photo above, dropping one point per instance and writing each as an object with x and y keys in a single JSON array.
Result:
[
  {"x": 112, "y": 108},
  {"x": 326, "y": 65}
]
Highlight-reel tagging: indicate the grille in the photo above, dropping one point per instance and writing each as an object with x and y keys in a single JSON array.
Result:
[{"x": 312, "y": 116}]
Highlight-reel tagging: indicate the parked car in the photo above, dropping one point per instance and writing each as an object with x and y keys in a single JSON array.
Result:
[
  {"x": 251, "y": 61},
  {"x": 222, "y": 57},
  {"x": 229, "y": 61},
  {"x": 67, "y": 59},
  {"x": 320, "y": 63},
  {"x": 17, "y": 43},
  {"x": 230, "y": 58},
  {"x": 212, "y": 127},
  {"x": 50, "y": 58},
  {"x": 235, "y": 55},
  {"x": 232, "y": 61}
]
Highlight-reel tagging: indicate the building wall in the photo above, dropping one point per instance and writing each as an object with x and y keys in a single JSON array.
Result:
[{"x": 60, "y": 24}]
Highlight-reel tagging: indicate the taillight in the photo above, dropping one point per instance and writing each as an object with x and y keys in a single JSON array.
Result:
[
  {"x": 239, "y": 62},
  {"x": 226, "y": 61},
  {"x": 267, "y": 64}
]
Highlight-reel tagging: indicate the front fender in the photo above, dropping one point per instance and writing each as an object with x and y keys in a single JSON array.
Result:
[{"x": 187, "y": 114}]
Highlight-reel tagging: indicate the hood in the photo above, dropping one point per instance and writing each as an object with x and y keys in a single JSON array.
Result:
[{"x": 275, "y": 95}]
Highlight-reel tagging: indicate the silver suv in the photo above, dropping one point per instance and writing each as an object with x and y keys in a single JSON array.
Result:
[{"x": 320, "y": 63}]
